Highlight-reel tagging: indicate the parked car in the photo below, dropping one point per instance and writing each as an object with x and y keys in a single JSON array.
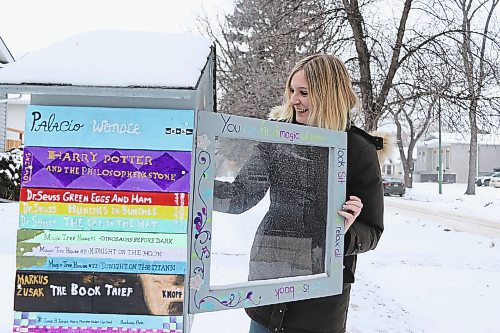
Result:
[
  {"x": 393, "y": 186},
  {"x": 484, "y": 178},
  {"x": 495, "y": 180}
]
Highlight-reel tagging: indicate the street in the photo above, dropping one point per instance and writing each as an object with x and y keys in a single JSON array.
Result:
[{"x": 459, "y": 222}]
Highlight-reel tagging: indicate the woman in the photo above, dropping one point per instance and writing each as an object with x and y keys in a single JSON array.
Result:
[{"x": 318, "y": 93}]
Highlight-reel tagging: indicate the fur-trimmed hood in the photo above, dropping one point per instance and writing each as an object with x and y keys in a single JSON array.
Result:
[
  {"x": 384, "y": 141},
  {"x": 389, "y": 143}
]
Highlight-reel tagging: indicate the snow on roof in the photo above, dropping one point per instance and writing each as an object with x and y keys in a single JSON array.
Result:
[
  {"x": 19, "y": 99},
  {"x": 432, "y": 141},
  {"x": 114, "y": 59}
]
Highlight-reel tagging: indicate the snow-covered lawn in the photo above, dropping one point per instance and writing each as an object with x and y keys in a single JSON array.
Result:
[{"x": 423, "y": 277}]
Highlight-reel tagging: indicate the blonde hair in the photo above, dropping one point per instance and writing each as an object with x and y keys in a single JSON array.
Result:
[{"x": 330, "y": 92}]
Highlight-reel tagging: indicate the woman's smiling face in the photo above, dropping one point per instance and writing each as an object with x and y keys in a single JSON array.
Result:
[{"x": 299, "y": 97}]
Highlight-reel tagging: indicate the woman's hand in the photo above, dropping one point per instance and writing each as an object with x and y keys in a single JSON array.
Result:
[{"x": 351, "y": 210}]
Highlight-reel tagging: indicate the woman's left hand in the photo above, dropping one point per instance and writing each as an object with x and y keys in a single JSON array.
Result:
[{"x": 351, "y": 210}]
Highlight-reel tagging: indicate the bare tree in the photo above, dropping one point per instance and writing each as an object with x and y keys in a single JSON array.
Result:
[
  {"x": 381, "y": 58},
  {"x": 374, "y": 97},
  {"x": 473, "y": 51},
  {"x": 258, "y": 44},
  {"x": 261, "y": 40},
  {"x": 414, "y": 116},
  {"x": 417, "y": 96},
  {"x": 472, "y": 56}
]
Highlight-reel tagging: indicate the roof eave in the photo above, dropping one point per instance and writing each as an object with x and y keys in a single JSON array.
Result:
[
  {"x": 5, "y": 55},
  {"x": 126, "y": 91}
]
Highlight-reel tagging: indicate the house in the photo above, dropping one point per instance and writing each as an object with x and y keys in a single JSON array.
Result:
[
  {"x": 455, "y": 156},
  {"x": 5, "y": 58},
  {"x": 12, "y": 117},
  {"x": 3, "y": 121},
  {"x": 393, "y": 167},
  {"x": 16, "y": 115}
]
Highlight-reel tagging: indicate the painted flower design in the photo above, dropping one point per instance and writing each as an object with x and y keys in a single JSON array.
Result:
[
  {"x": 196, "y": 282},
  {"x": 202, "y": 141}
]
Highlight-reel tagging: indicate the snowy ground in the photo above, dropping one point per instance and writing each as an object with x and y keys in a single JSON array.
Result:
[{"x": 425, "y": 276}]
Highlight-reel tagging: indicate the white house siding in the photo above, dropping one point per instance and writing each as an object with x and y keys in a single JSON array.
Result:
[
  {"x": 15, "y": 118},
  {"x": 420, "y": 164},
  {"x": 428, "y": 159},
  {"x": 393, "y": 169},
  {"x": 455, "y": 159},
  {"x": 427, "y": 162},
  {"x": 3, "y": 122},
  {"x": 489, "y": 157},
  {"x": 423, "y": 163},
  {"x": 460, "y": 161}
]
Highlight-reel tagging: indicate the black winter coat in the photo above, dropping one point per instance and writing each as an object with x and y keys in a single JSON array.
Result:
[{"x": 297, "y": 179}]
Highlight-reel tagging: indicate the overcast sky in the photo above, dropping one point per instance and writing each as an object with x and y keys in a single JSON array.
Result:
[{"x": 28, "y": 25}]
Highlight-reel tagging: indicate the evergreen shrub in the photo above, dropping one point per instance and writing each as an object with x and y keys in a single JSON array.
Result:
[{"x": 10, "y": 173}]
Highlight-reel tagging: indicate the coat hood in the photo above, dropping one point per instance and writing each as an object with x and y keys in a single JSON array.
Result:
[{"x": 383, "y": 141}]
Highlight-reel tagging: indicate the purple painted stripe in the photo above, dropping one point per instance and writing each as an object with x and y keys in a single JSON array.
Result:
[
  {"x": 64, "y": 329},
  {"x": 107, "y": 169}
]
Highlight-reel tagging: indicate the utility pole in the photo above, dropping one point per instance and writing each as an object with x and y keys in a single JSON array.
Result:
[{"x": 440, "y": 159}]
